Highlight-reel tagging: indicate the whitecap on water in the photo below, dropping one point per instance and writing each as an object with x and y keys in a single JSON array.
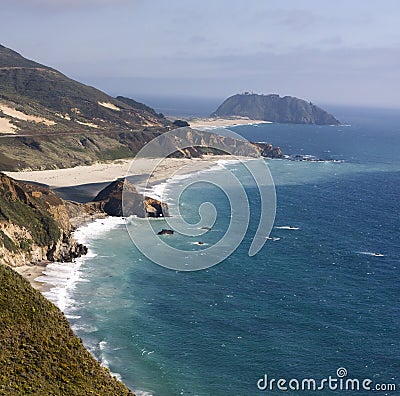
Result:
[
  {"x": 373, "y": 254},
  {"x": 287, "y": 228}
]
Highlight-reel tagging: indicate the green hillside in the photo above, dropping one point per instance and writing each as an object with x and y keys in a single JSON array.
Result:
[{"x": 39, "y": 353}]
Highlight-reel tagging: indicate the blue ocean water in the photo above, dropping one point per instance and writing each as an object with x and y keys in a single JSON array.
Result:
[{"x": 323, "y": 295}]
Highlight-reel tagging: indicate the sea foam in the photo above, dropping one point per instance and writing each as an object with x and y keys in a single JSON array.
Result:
[{"x": 62, "y": 277}]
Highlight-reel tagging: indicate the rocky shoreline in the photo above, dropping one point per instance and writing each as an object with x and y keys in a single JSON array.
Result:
[{"x": 37, "y": 226}]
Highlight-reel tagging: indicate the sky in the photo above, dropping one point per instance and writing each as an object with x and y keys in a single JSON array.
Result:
[{"x": 333, "y": 52}]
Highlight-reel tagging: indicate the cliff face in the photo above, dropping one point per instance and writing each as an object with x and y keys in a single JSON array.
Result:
[
  {"x": 268, "y": 150},
  {"x": 34, "y": 225},
  {"x": 39, "y": 353},
  {"x": 204, "y": 142},
  {"x": 274, "y": 108}
]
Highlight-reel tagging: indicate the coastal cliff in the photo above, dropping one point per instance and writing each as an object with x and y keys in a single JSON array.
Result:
[
  {"x": 49, "y": 121},
  {"x": 34, "y": 225},
  {"x": 198, "y": 143},
  {"x": 274, "y": 108},
  {"x": 39, "y": 353}
]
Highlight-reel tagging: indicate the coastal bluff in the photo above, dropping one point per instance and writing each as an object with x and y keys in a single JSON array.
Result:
[
  {"x": 50, "y": 121},
  {"x": 287, "y": 109},
  {"x": 36, "y": 225},
  {"x": 39, "y": 353}
]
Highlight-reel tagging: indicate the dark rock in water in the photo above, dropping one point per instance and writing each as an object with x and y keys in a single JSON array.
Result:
[
  {"x": 268, "y": 150},
  {"x": 155, "y": 208},
  {"x": 121, "y": 198},
  {"x": 274, "y": 108},
  {"x": 165, "y": 232},
  {"x": 206, "y": 228},
  {"x": 181, "y": 123}
]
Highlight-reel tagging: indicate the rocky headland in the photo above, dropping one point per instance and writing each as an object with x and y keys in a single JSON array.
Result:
[{"x": 287, "y": 109}]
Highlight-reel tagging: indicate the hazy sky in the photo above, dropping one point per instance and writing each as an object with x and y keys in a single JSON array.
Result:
[{"x": 341, "y": 51}]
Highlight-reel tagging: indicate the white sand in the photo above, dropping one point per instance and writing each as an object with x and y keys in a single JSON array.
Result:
[
  {"x": 24, "y": 117},
  {"x": 90, "y": 124},
  {"x": 223, "y": 122},
  {"x": 109, "y": 106},
  {"x": 107, "y": 172},
  {"x": 6, "y": 126}
]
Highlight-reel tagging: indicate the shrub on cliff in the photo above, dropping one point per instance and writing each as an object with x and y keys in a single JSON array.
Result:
[{"x": 39, "y": 353}]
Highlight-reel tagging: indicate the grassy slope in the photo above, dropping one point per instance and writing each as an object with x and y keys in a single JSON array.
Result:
[
  {"x": 39, "y": 353},
  {"x": 69, "y": 150},
  {"x": 39, "y": 90}
]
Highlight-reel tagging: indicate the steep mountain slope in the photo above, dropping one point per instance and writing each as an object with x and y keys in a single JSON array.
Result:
[
  {"x": 39, "y": 353},
  {"x": 274, "y": 108},
  {"x": 38, "y": 99}
]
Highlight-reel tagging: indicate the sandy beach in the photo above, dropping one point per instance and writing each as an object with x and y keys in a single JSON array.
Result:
[
  {"x": 31, "y": 273},
  {"x": 210, "y": 123},
  {"x": 108, "y": 172}
]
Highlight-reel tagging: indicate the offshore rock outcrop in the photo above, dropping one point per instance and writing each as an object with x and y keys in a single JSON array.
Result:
[
  {"x": 287, "y": 109},
  {"x": 267, "y": 150},
  {"x": 121, "y": 198}
]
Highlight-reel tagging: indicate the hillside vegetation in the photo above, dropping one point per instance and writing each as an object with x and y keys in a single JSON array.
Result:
[
  {"x": 61, "y": 104},
  {"x": 34, "y": 225},
  {"x": 39, "y": 353}
]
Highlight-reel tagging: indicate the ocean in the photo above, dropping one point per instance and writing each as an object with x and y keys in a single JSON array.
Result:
[{"x": 321, "y": 299}]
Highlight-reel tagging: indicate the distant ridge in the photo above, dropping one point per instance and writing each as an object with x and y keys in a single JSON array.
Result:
[
  {"x": 287, "y": 109},
  {"x": 49, "y": 121},
  {"x": 47, "y": 101}
]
